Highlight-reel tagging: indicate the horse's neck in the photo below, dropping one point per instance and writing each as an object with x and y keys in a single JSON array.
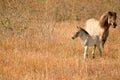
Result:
[
  {"x": 105, "y": 26},
  {"x": 104, "y": 23}
]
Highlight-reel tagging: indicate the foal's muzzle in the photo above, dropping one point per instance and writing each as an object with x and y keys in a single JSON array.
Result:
[{"x": 73, "y": 38}]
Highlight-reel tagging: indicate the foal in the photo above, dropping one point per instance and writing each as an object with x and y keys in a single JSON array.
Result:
[{"x": 88, "y": 40}]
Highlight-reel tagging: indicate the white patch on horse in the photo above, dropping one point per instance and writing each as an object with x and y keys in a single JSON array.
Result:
[{"x": 93, "y": 27}]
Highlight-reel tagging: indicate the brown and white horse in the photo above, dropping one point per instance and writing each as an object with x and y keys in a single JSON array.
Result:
[{"x": 101, "y": 27}]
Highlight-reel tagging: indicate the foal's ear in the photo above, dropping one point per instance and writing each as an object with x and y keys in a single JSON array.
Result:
[{"x": 78, "y": 27}]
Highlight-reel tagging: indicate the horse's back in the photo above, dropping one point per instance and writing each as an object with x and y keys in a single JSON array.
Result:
[
  {"x": 93, "y": 27},
  {"x": 92, "y": 22}
]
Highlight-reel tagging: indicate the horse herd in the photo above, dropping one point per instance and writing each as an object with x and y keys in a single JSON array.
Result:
[{"x": 96, "y": 32}]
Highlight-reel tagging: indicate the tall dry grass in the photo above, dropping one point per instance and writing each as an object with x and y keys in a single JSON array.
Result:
[
  {"x": 36, "y": 44},
  {"x": 57, "y": 57}
]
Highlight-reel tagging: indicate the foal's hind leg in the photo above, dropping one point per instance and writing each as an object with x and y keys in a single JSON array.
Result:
[{"x": 93, "y": 52}]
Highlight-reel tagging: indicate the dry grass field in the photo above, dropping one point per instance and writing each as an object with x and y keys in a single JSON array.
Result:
[{"x": 36, "y": 44}]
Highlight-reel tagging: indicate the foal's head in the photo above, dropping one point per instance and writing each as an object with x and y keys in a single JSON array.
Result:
[
  {"x": 81, "y": 32},
  {"x": 109, "y": 19},
  {"x": 76, "y": 34}
]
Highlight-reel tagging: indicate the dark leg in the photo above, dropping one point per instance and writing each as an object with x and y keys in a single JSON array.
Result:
[
  {"x": 104, "y": 37},
  {"x": 103, "y": 42}
]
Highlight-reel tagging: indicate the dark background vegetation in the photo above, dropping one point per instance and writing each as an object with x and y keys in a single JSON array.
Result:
[{"x": 17, "y": 15}]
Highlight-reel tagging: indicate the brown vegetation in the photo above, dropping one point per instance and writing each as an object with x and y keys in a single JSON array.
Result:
[{"x": 36, "y": 44}]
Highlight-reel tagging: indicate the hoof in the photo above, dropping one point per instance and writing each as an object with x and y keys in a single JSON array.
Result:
[{"x": 93, "y": 57}]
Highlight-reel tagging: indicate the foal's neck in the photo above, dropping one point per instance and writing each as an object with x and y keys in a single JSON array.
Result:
[{"x": 83, "y": 38}]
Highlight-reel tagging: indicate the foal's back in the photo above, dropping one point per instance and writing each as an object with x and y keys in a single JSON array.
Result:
[{"x": 84, "y": 34}]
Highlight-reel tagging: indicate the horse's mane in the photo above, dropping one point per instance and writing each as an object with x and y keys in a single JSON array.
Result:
[{"x": 103, "y": 20}]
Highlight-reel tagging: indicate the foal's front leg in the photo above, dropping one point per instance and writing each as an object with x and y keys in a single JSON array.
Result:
[
  {"x": 93, "y": 52},
  {"x": 86, "y": 53}
]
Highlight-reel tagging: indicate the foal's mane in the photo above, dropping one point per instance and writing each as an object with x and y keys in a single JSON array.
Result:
[{"x": 84, "y": 31}]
